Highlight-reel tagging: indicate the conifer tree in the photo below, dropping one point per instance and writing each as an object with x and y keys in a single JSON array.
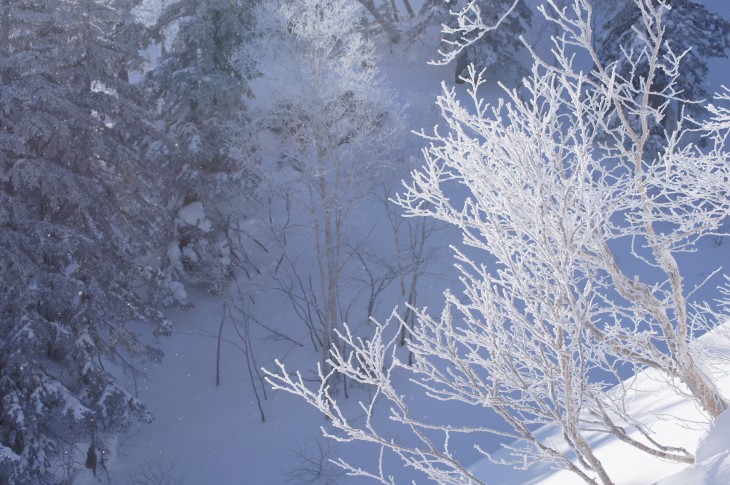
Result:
[
  {"x": 201, "y": 94},
  {"x": 77, "y": 207}
]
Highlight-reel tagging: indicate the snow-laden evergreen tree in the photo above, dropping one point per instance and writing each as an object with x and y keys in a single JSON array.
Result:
[
  {"x": 201, "y": 96},
  {"x": 330, "y": 123},
  {"x": 569, "y": 260},
  {"x": 77, "y": 207},
  {"x": 485, "y": 33}
]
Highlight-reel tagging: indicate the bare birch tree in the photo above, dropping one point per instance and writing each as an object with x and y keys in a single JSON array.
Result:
[
  {"x": 666, "y": 202},
  {"x": 333, "y": 121}
]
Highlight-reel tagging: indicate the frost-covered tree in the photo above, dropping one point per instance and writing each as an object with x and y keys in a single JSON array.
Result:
[
  {"x": 691, "y": 30},
  {"x": 77, "y": 206},
  {"x": 548, "y": 187},
  {"x": 485, "y": 33},
  {"x": 201, "y": 97},
  {"x": 328, "y": 120}
]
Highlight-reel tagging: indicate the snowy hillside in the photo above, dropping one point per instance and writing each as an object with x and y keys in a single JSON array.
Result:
[
  {"x": 713, "y": 465},
  {"x": 674, "y": 418}
]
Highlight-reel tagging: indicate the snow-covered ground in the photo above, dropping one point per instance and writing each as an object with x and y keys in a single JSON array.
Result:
[
  {"x": 205, "y": 433},
  {"x": 213, "y": 434},
  {"x": 713, "y": 465},
  {"x": 674, "y": 418}
]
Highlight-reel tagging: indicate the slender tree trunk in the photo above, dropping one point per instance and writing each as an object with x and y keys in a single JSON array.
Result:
[
  {"x": 584, "y": 448},
  {"x": 5, "y": 42},
  {"x": 417, "y": 245},
  {"x": 219, "y": 341},
  {"x": 328, "y": 261},
  {"x": 701, "y": 386},
  {"x": 409, "y": 9},
  {"x": 394, "y": 9},
  {"x": 331, "y": 303},
  {"x": 573, "y": 410},
  {"x": 675, "y": 330},
  {"x": 385, "y": 23}
]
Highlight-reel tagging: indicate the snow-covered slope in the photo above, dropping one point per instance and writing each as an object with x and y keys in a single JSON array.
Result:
[
  {"x": 213, "y": 434},
  {"x": 713, "y": 458},
  {"x": 205, "y": 433},
  {"x": 674, "y": 418}
]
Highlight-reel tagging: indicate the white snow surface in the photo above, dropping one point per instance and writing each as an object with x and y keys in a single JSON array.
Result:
[
  {"x": 213, "y": 434},
  {"x": 713, "y": 458},
  {"x": 194, "y": 214}
]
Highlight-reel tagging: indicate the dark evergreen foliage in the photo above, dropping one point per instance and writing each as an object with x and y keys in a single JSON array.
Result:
[
  {"x": 77, "y": 208},
  {"x": 201, "y": 94}
]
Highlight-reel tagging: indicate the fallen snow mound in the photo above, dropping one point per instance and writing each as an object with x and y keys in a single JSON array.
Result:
[{"x": 713, "y": 458}]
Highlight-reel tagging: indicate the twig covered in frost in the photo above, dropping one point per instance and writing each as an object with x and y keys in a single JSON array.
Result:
[{"x": 470, "y": 27}]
